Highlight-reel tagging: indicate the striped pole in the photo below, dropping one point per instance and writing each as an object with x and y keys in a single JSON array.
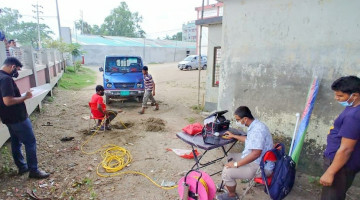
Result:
[{"x": 305, "y": 118}]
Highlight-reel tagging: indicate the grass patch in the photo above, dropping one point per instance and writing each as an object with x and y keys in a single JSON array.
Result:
[
  {"x": 72, "y": 80},
  {"x": 49, "y": 99},
  {"x": 197, "y": 108},
  {"x": 191, "y": 120},
  {"x": 5, "y": 155}
]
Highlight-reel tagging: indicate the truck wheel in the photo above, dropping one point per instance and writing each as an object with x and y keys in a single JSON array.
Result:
[
  {"x": 189, "y": 68},
  {"x": 204, "y": 67},
  {"x": 139, "y": 99},
  {"x": 107, "y": 100}
]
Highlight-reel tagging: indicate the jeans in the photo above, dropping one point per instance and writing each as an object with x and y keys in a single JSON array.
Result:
[
  {"x": 22, "y": 133},
  {"x": 342, "y": 182}
]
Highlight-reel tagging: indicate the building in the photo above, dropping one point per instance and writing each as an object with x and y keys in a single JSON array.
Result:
[
  {"x": 189, "y": 32},
  {"x": 210, "y": 11},
  {"x": 269, "y": 53}
]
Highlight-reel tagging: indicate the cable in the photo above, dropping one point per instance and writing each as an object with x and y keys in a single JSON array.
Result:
[
  {"x": 115, "y": 158},
  {"x": 202, "y": 181}
]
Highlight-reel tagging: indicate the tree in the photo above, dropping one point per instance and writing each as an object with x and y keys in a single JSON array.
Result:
[
  {"x": 27, "y": 33},
  {"x": 24, "y": 32},
  {"x": 122, "y": 22},
  {"x": 9, "y": 19},
  {"x": 73, "y": 49},
  {"x": 83, "y": 26},
  {"x": 177, "y": 36},
  {"x": 96, "y": 30}
]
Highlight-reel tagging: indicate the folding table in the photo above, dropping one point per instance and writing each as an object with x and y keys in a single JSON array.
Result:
[{"x": 197, "y": 141}]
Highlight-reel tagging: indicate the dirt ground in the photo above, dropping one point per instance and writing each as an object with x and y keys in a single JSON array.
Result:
[{"x": 73, "y": 173}]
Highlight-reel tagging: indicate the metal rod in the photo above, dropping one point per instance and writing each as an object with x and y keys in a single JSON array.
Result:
[
  {"x": 199, "y": 66},
  {"x": 294, "y": 134}
]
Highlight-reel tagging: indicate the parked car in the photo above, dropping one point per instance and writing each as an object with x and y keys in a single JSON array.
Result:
[
  {"x": 122, "y": 77},
  {"x": 192, "y": 62}
]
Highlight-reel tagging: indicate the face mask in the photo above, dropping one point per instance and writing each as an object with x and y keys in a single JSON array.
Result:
[
  {"x": 345, "y": 103},
  {"x": 239, "y": 124},
  {"x": 102, "y": 93},
  {"x": 14, "y": 73}
]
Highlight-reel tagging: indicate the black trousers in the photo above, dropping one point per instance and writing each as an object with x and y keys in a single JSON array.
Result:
[{"x": 342, "y": 182}]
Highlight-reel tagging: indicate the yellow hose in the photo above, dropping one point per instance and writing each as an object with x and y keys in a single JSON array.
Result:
[{"x": 115, "y": 158}]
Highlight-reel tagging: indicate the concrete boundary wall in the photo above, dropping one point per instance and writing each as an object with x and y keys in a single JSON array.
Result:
[
  {"x": 95, "y": 54},
  {"x": 40, "y": 73}
]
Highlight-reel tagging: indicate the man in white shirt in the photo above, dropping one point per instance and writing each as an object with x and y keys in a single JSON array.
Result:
[{"x": 244, "y": 165}]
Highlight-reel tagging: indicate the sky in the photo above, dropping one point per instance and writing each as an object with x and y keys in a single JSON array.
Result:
[{"x": 160, "y": 17}]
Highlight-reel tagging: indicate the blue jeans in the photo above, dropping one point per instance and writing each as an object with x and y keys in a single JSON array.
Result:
[{"x": 22, "y": 133}]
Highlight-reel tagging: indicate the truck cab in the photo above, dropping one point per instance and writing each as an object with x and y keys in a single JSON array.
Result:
[{"x": 122, "y": 77}]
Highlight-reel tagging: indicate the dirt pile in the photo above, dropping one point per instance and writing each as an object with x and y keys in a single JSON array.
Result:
[
  {"x": 120, "y": 125},
  {"x": 154, "y": 124}
]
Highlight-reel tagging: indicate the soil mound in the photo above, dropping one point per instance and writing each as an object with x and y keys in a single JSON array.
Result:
[
  {"x": 119, "y": 125},
  {"x": 154, "y": 124}
]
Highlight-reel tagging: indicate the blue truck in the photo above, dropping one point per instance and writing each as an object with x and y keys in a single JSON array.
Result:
[{"x": 123, "y": 78}]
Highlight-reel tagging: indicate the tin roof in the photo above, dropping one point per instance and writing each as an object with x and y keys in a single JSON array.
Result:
[{"x": 130, "y": 42}]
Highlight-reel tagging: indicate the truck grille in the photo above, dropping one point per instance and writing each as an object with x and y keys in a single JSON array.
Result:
[{"x": 124, "y": 85}]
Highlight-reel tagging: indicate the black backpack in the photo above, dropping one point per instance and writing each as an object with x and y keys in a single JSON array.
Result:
[{"x": 283, "y": 176}]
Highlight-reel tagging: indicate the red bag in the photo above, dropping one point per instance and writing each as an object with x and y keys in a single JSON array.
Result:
[{"x": 193, "y": 129}]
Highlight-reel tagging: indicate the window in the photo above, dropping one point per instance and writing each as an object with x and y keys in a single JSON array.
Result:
[
  {"x": 122, "y": 64},
  {"x": 216, "y": 67}
]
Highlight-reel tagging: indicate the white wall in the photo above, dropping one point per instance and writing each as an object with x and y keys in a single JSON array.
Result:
[{"x": 214, "y": 40}]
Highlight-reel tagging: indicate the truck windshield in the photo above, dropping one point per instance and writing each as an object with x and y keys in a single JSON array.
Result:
[{"x": 123, "y": 64}]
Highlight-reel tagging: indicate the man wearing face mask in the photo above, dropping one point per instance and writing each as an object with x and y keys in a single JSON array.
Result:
[
  {"x": 342, "y": 153},
  {"x": 14, "y": 115},
  {"x": 100, "y": 110},
  {"x": 244, "y": 165}
]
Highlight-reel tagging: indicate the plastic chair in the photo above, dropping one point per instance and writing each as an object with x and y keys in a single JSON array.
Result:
[
  {"x": 269, "y": 156},
  {"x": 93, "y": 107}
]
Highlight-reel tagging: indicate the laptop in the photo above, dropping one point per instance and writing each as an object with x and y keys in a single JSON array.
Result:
[{"x": 210, "y": 138}]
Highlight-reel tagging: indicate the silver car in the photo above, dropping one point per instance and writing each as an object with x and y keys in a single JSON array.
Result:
[{"x": 192, "y": 62}]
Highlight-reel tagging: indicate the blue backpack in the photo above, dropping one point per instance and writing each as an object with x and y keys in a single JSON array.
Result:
[{"x": 283, "y": 176}]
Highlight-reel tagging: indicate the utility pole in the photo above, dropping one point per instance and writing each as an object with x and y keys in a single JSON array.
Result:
[
  {"x": 175, "y": 49},
  {"x": 144, "y": 48},
  {"x": 58, "y": 18},
  {"x": 75, "y": 32},
  {"x": 199, "y": 57},
  {"x": 38, "y": 23}
]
